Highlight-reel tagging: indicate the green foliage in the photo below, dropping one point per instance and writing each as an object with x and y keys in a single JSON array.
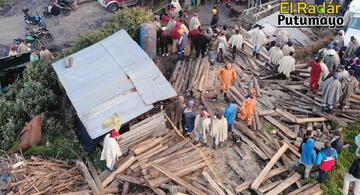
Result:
[{"x": 334, "y": 182}]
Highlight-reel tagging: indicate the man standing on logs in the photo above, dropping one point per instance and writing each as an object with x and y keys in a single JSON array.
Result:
[
  {"x": 181, "y": 45},
  {"x": 287, "y": 48},
  {"x": 258, "y": 39},
  {"x": 308, "y": 153},
  {"x": 178, "y": 111},
  {"x": 219, "y": 130},
  {"x": 227, "y": 75},
  {"x": 315, "y": 74},
  {"x": 331, "y": 92},
  {"x": 236, "y": 42},
  {"x": 188, "y": 118},
  {"x": 202, "y": 127},
  {"x": 248, "y": 109},
  {"x": 222, "y": 47},
  {"x": 286, "y": 65},
  {"x": 275, "y": 55},
  {"x": 349, "y": 85},
  {"x": 230, "y": 113}
]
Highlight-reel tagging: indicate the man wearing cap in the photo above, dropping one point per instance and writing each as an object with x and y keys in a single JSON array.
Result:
[
  {"x": 275, "y": 55},
  {"x": 287, "y": 48},
  {"x": 258, "y": 40},
  {"x": 227, "y": 75},
  {"x": 339, "y": 39},
  {"x": 194, "y": 22},
  {"x": 202, "y": 127},
  {"x": 287, "y": 65},
  {"x": 236, "y": 42},
  {"x": 188, "y": 118},
  {"x": 332, "y": 92},
  {"x": 181, "y": 45},
  {"x": 219, "y": 130},
  {"x": 349, "y": 85},
  {"x": 248, "y": 109},
  {"x": 352, "y": 47}
]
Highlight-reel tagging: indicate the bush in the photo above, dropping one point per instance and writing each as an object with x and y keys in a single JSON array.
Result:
[{"x": 38, "y": 92}]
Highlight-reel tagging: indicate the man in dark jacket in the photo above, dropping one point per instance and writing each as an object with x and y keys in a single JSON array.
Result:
[
  {"x": 200, "y": 44},
  {"x": 352, "y": 176}
]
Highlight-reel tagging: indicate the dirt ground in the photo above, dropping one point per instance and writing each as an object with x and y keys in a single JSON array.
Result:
[{"x": 88, "y": 17}]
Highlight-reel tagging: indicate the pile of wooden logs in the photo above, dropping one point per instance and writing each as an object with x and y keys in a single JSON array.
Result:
[
  {"x": 194, "y": 77},
  {"x": 37, "y": 176}
]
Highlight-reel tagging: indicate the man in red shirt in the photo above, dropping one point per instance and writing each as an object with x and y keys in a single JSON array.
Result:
[{"x": 315, "y": 74}]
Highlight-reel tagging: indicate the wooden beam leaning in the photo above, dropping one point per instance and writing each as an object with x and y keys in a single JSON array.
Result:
[{"x": 255, "y": 185}]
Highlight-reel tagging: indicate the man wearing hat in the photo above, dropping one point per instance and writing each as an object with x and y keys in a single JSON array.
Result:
[
  {"x": 248, "y": 109},
  {"x": 181, "y": 45},
  {"x": 339, "y": 39},
  {"x": 202, "y": 127}
]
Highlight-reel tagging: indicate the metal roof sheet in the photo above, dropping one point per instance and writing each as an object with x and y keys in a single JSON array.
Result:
[{"x": 112, "y": 76}]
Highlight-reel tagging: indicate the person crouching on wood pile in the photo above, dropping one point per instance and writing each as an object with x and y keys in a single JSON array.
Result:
[
  {"x": 202, "y": 127},
  {"x": 349, "y": 85},
  {"x": 286, "y": 65},
  {"x": 258, "y": 40},
  {"x": 222, "y": 47},
  {"x": 219, "y": 130},
  {"x": 236, "y": 42},
  {"x": 308, "y": 153},
  {"x": 332, "y": 92},
  {"x": 326, "y": 159},
  {"x": 352, "y": 176},
  {"x": 275, "y": 55},
  {"x": 226, "y": 75},
  {"x": 188, "y": 118},
  {"x": 315, "y": 74},
  {"x": 248, "y": 109},
  {"x": 230, "y": 113}
]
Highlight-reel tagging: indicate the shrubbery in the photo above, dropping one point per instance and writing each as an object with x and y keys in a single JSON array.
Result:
[{"x": 38, "y": 92}]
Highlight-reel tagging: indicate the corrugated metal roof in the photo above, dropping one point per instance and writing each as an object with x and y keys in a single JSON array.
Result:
[{"x": 112, "y": 76}]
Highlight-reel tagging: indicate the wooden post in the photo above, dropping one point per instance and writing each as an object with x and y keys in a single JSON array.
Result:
[
  {"x": 255, "y": 185},
  {"x": 120, "y": 169},
  {"x": 285, "y": 184},
  {"x": 82, "y": 167}
]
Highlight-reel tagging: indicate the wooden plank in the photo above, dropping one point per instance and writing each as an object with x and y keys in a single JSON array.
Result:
[
  {"x": 247, "y": 184},
  {"x": 119, "y": 170},
  {"x": 202, "y": 188},
  {"x": 315, "y": 119},
  {"x": 213, "y": 183},
  {"x": 256, "y": 149},
  {"x": 314, "y": 190},
  {"x": 303, "y": 188},
  {"x": 287, "y": 115},
  {"x": 96, "y": 177},
  {"x": 82, "y": 167},
  {"x": 178, "y": 180},
  {"x": 131, "y": 179},
  {"x": 300, "y": 94},
  {"x": 280, "y": 126},
  {"x": 255, "y": 185},
  {"x": 266, "y": 112},
  {"x": 269, "y": 186},
  {"x": 285, "y": 184}
]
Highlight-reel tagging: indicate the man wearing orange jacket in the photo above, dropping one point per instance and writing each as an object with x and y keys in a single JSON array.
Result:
[
  {"x": 227, "y": 75},
  {"x": 248, "y": 109}
]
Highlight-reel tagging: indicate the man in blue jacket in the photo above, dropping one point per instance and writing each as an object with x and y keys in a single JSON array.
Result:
[
  {"x": 308, "y": 153},
  {"x": 326, "y": 159},
  {"x": 230, "y": 113}
]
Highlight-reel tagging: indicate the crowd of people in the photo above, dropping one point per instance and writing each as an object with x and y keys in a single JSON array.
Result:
[{"x": 24, "y": 47}]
